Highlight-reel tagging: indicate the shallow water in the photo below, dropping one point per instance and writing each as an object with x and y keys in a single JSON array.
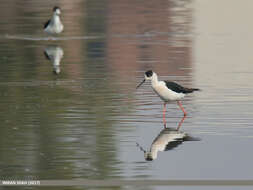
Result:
[{"x": 86, "y": 121}]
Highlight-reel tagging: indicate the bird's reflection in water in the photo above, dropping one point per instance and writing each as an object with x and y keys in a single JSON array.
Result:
[
  {"x": 54, "y": 54},
  {"x": 167, "y": 139}
]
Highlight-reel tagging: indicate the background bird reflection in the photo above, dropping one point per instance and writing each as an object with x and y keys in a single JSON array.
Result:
[{"x": 54, "y": 54}]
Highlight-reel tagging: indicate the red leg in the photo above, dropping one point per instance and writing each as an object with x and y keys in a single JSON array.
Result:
[
  {"x": 180, "y": 105},
  {"x": 181, "y": 122},
  {"x": 164, "y": 110}
]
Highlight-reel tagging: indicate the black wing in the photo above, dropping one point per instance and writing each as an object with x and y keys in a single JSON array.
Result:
[
  {"x": 173, "y": 144},
  {"x": 177, "y": 142},
  {"x": 46, "y": 55},
  {"x": 190, "y": 138},
  {"x": 46, "y": 24},
  {"x": 179, "y": 89}
]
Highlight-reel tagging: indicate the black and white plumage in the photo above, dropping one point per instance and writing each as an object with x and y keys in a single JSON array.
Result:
[
  {"x": 179, "y": 89},
  {"x": 54, "y": 54},
  {"x": 167, "y": 90},
  {"x": 54, "y": 25},
  {"x": 167, "y": 139}
]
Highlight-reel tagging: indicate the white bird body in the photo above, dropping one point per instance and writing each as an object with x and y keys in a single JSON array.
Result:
[
  {"x": 162, "y": 141},
  {"x": 167, "y": 90},
  {"x": 54, "y": 54},
  {"x": 165, "y": 93},
  {"x": 54, "y": 25},
  {"x": 168, "y": 139}
]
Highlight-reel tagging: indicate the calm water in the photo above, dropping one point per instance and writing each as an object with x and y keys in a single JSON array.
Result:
[{"x": 86, "y": 121}]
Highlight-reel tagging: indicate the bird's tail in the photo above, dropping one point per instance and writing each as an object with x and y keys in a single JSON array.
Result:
[
  {"x": 195, "y": 89},
  {"x": 190, "y": 90}
]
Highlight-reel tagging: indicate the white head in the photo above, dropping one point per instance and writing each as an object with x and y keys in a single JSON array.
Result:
[
  {"x": 57, "y": 11},
  {"x": 57, "y": 70},
  {"x": 149, "y": 156},
  {"x": 149, "y": 75}
]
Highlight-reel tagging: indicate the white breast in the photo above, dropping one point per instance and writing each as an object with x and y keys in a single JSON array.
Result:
[
  {"x": 166, "y": 94},
  {"x": 163, "y": 140},
  {"x": 55, "y": 26}
]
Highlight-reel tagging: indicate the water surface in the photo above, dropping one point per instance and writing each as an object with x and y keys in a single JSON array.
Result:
[{"x": 85, "y": 121}]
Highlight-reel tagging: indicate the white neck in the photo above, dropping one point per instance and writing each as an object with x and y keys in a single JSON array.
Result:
[
  {"x": 55, "y": 18},
  {"x": 55, "y": 14},
  {"x": 154, "y": 79},
  {"x": 57, "y": 61},
  {"x": 57, "y": 57},
  {"x": 154, "y": 153}
]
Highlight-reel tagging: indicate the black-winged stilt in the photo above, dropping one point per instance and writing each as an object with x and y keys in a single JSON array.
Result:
[
  {"x": 167, "y": 139},
  {"x": 167, "y": 91},
  {"x": 54, "y": 54},
  {"x": 54, "y": 25}
]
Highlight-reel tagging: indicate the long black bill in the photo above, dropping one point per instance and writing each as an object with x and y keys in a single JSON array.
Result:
[{"x": 141, "y": 83}]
